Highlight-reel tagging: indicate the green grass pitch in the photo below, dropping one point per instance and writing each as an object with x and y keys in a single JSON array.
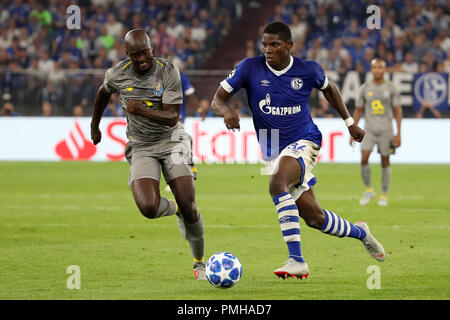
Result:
[{"x": 54, "y": 215}]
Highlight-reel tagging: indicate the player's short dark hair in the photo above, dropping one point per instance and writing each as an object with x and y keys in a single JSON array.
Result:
[{"x": 279, "y": 28}]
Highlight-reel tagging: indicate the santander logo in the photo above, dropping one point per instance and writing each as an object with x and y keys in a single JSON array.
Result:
[{"x": 76, "y": 147}]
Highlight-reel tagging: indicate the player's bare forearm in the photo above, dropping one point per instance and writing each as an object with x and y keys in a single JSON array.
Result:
[
  {"x": 220, "y": 108},
  {"x": 219, "y": 102},
  {"x": 333, "y": 96},
  {"x": 100, "y": 104},
  {"x": 168, "y": 116}
]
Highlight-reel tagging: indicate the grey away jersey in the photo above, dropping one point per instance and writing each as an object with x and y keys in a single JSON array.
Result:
[
  {"x": 160, "y": 85},
  {"x": 378, "y": 102}
]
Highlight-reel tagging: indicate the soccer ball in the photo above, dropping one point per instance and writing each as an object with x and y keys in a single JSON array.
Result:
[{"x": 223, "y": 270}]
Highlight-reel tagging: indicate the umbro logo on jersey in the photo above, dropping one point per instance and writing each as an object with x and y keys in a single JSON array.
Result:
[{"x": 265, "y": 83}]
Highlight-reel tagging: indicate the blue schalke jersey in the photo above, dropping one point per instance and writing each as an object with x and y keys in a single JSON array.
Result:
[
  {"x": 279, "y": 100},
  {"x": 187, "y": 89}
]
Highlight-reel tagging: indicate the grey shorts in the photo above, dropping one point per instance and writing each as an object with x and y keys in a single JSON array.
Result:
[
  {"x": 382, "y": 138},
  {"x": 173, "y": 158}
]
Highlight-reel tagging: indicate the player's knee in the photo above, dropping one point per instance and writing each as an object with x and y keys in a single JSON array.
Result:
[
  {"x": 148, "y": 209},
  {"x": 277, "y": 187}
]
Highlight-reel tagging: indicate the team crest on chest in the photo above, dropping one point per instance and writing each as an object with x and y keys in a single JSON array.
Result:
[
  {"x": 158, "y": 91},
  {"x": 297, "y": 83}
]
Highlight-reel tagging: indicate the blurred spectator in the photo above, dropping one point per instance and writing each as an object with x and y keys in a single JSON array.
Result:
[
  {"x": 369, "y": 55},
  {"x": 74, "y": 51},
  {"x": 441, "y": 19},
  {"x": 78, "y": 111},
  {"x": 174, "y": 28},
  {"x": 114, "y": 28},
  {"x": 114, "y": 108},
  {"x": 183, "y": 52},
  {"x": 439, "y": 54},
  {"x": 447, "y": 62},
  {"x": 429, "y": 60},
  {"x": 427, "y": 110},
  {"x": 209, "y": 26},
  {"x": 198, "y": 32},
  {"x": 44, "y": 16},
  {"x": 423, "y": 68},
  {"x": 45, "y": 64},
  {"x": 162, "y": 41},
  {"x": 102, "y": 61},
  {"x": 117, "y": 53},
  {"x": 298, "y": 29},
  {"x": 46, "y": 109},
  {"x": 24, "y": 38},
  {"x": 420, "y": 47},
  {"x": 352, "y": 31},
  {"x": 410, "y": 65},
  {"x": 204, "y": 110},
  {"x": 8, "y": 110},
  {"x": 317, "y": 51},
  {"x": 107, "y": 40},
  {"x": 5, "y": 40}
]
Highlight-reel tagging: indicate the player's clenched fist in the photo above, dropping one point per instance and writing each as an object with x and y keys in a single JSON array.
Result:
[
  {"x": 356, "y": 132},
  {"x": 96, "y": 135},
  {"x": 231, "y": 119},
  {"x": 133, "y": 106}
]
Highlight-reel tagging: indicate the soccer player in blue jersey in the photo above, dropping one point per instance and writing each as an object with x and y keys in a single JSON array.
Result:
[
  {"x": 189, "y": 97},
  {"x": 278, "y": 86}
]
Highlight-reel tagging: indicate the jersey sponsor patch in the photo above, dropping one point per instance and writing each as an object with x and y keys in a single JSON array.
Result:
[{"x": 266, "y": 108}]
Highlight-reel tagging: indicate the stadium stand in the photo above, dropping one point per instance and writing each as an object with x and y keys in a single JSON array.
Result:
[{"x": 42, "y": 61}]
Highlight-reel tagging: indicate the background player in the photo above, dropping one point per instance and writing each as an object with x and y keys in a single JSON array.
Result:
[
  {"x": 278, "y": 86},
  {"x": 380, "y": 101},
  {"x": 190, "y": 100},
  {"x": 150, "y": 92}
]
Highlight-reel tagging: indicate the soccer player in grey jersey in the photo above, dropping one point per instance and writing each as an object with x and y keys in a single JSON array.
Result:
[
  {"x": 380, "y": 102},
  {"x": 150, "y": 92}
]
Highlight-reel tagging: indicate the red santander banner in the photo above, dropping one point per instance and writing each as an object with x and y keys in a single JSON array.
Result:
[{"x": 68, "y": 139}]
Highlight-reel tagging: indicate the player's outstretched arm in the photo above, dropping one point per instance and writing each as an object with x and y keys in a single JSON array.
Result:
[
  {"x": 101, "y": 102},
  {"x": 333, "y": 96},
  {"x": 220, "y": 108}
]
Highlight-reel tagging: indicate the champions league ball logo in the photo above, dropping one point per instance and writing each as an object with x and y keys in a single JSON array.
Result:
[{"x": 431, "y": 87}]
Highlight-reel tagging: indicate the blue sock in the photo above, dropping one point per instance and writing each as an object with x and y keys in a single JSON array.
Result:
[
  {"x": 288, "y": 217},
  {"x": 339, "y": 227}
]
